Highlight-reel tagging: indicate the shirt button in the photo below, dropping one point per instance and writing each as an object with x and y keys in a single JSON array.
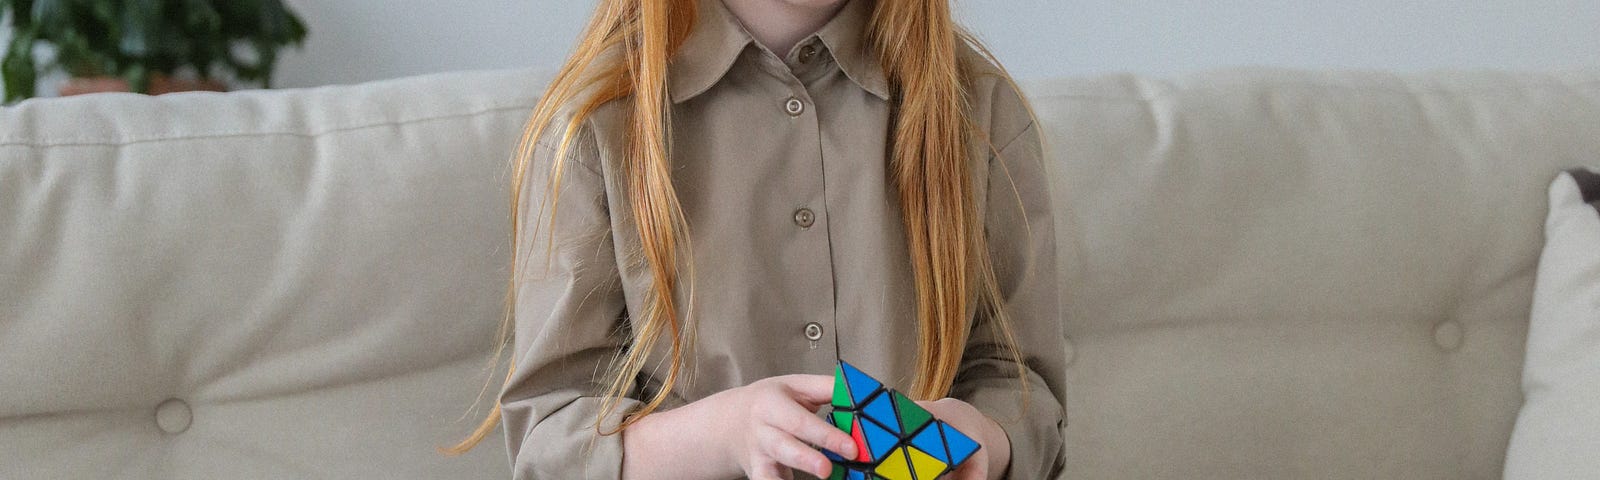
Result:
[
  {"x": 805, "y": 218},
  {"x": 807, "y": 53},
  {"x": 813, "y": 331},
  {"x": 794, "y": 106}
]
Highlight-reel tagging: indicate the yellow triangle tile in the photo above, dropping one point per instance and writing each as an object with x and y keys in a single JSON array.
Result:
[
  {"x": 925, "y": 465},
  {"x": 895, "y": 467}
]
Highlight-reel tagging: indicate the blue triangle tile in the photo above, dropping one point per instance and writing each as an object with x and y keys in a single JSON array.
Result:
[
  {"x": 881, "y": 408},
  {"x": 833, "y": 457},
  {"x": 960, "y": 445},
  {"x": 861, "y": 385},
  {"x": 879, "y": 441},
  {"x": 931, "y": 441}
]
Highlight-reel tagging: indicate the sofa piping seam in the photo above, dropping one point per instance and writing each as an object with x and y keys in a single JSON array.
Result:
[
  {"x": 17, "y": 142},
  {"x": 1169, "y": 91}
]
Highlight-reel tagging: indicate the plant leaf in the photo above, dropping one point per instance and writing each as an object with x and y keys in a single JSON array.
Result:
[
  {"x": 138, "y": 78},
  {"x": 200, "y": 17},
  {"x": 21, "y": 13},
  {"x": 51, "y": 15},
  {"x": 135, "y": 39},
  {"x": 203, "y": 27},
  {"x": 18, "y": 69},
  {"x": 140, "y": 20}
]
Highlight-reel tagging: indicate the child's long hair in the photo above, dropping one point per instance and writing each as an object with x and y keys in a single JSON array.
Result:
[{"x": 623, "y": 54}]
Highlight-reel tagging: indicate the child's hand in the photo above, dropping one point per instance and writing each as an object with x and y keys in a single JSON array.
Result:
[
  {"x": 991, "y": 461},
  {"x": 763, "y": 429},
  {"x": 760, "y": 431}
]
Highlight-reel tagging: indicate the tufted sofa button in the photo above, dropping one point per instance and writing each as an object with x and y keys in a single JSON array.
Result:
[
  {"x": 1448, "y": 335},
  {"x": 1070, "y": 353},
  {"x": 174, "y": 416}
]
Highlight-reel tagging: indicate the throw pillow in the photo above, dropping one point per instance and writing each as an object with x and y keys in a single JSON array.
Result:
[{"x": 1557, "y": 434}]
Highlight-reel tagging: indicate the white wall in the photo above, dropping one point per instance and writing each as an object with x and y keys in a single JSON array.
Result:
[
  {"x": 1043, "y": 37},
  {"x": 357, "y": 40}
]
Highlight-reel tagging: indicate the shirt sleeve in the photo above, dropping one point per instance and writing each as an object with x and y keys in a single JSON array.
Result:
[
  {"x": 1021, "y": 236},
  {"x": 569, "y": 323}
]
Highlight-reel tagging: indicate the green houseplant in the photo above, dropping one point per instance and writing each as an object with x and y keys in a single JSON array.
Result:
[{"x": 141, "y": 41}]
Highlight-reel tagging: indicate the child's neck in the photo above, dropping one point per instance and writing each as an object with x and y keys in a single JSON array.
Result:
[{"x": 780, "y": 24}]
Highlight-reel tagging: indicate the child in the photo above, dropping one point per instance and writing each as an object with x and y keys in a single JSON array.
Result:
[{"x": 728, "y": 196}]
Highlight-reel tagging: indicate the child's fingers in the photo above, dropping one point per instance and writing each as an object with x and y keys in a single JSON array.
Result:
[
  {"x": 766, "y": 470},
  {"x": 789, "y": 452},
  {"x": 812, "y": 390},
  {"x": 806, "y": 426}
]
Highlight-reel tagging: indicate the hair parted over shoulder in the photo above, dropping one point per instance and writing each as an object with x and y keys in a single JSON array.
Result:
[{"x": 623, "y": 55}]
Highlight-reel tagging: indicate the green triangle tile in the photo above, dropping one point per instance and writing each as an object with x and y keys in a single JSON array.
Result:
[
  {"x": 843, "y": 420},
  {"x": 839, "y": 472},
  {"x": 912, "y": 416},
  {"x": 841, "y": 391}
]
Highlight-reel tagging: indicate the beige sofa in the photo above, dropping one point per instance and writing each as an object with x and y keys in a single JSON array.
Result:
[{"x": 1267, "y": 273}]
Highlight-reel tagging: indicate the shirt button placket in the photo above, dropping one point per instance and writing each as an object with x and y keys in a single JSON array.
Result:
[{"x": 809, "y": 219}]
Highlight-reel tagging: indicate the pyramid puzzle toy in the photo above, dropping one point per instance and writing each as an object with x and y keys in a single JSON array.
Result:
[{"x": 895, "y": 438}]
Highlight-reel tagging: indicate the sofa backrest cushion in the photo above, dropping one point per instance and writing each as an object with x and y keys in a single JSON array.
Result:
[
  {"x": 1285, "y": 274},
  {"x": 263, "y": 284}
]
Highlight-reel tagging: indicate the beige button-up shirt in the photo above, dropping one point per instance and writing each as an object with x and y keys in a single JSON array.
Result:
[{"x": 781, "y": 166}]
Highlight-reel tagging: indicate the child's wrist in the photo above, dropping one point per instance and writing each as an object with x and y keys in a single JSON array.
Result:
[
  {"x": 999, "y": 449},
  {"x": 667, "y": 438},
  {"x": 698, "y": 436}
]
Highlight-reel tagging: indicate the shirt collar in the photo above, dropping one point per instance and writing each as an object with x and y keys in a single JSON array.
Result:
[{"x": 718, "y": 39}]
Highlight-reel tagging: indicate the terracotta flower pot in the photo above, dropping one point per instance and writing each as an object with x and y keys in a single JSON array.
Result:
[{"x": 159, "y": 84}]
